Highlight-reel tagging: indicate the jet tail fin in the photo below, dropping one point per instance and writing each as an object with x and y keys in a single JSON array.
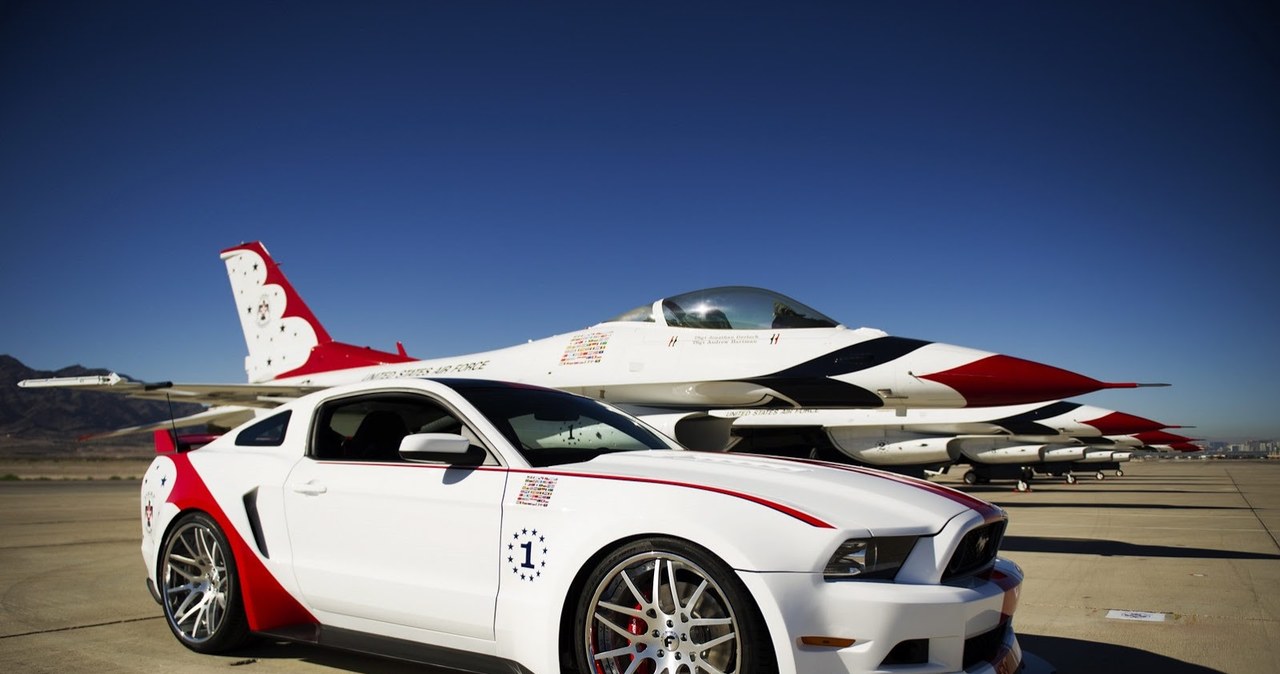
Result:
[{"x": 283, "y": 337}]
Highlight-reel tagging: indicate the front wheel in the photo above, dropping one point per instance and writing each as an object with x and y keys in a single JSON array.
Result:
[
  {"x": 664, "y": 605},
  {"x": 199, "y": 587}
]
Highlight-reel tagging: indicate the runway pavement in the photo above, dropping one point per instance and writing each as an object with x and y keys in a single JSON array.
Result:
[{"x": 1192, "y": 543}]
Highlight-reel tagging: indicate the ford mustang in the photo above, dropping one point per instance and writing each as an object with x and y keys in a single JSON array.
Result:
[{"x": 493, "y": 527}]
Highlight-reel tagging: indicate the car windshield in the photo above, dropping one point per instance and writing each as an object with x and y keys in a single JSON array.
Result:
[
  {"x": 552, "y": 427},
  {"x": 729, "y": 308}
]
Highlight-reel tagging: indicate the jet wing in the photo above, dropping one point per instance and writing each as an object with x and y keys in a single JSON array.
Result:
[
  {"x": 244, "y": 395},
  {"x": 228, "y": 417}
]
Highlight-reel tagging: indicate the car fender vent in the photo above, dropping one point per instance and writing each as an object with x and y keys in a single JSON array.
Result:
[{"x": 255, "y": 523}]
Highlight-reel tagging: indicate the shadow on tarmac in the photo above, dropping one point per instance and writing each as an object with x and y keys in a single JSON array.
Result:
[
  {"x": 1068, "y": 489},
  {"x": 347, "y": 661},
  {"x": 1089, "y": 546},
  {"x": 1074, "y": 655},
  {"x": 1120, "y": 506},
  {"x": 1064, "y": 655}
]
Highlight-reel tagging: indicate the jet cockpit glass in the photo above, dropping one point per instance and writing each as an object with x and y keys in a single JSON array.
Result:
[{"x": 730, "y": 308}]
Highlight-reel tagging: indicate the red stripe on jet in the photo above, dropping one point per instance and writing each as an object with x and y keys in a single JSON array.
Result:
[{"x": 1005, "y": 380}]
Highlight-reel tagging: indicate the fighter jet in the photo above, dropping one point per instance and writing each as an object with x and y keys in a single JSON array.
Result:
[{"x": 674, "y": 358}]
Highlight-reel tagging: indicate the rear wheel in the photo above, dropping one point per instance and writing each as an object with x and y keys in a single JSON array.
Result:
[
  {"x": 664, "y": 605},
  {"x": 199, "y": 587}
]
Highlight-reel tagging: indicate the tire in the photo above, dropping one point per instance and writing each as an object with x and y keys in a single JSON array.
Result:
[
  {"x": 703, "y": 614},
  {"x": 199, "y": 586},
  {"x": 1071, "y": 479},
  {"x": 971, "y": 478}
]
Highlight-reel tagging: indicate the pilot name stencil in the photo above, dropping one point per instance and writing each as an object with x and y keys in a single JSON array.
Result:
[{"x": 718, "y": 340}]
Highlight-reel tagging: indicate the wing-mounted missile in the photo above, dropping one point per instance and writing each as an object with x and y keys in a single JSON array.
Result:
[
  {"x": 893, "y": 449},
  {"x": 694, "y": 430},
  {"x": 1015, "y": 454}
]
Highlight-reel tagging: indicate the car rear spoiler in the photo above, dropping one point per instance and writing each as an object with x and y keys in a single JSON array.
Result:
[{"x": 169, "y": 442}]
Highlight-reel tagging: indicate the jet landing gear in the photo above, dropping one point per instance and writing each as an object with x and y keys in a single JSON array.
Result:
[
  {"x": 1113, "y": 466},
  {"x": 984, "y": 474}
]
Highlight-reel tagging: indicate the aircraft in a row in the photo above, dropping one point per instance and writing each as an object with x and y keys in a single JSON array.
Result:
[
  {"x": 730, "y": 368},
  {"x": 1006, "y": 442}
]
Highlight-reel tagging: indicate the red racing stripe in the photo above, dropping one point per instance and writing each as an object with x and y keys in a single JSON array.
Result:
[
  {"x": 267, "y": 604},
  {"x": 990, "y": 513},
  {"x": 774, "y": 505}
]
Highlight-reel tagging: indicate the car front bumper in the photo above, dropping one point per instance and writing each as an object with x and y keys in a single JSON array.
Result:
[{"x": 909, "y": 629}]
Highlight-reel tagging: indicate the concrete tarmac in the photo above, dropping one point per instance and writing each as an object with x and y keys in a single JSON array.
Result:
[{"x": 1174, "y": 567}]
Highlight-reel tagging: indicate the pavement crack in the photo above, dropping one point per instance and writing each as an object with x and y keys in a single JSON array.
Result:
[
  {"x": 1253, "y": 510},
  {"x": 72, "y": 628}
]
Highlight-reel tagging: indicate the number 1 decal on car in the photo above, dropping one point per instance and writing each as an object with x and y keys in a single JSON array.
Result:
[{"x": 527, "y": 554}]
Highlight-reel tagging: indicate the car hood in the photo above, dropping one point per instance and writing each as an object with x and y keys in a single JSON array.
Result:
[{"x": 843, "y": 496}]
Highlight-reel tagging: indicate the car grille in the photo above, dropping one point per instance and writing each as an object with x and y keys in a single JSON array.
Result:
[{"x": 976, "y": 551}]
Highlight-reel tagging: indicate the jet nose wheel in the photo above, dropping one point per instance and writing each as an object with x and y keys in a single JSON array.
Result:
[
  {"x": 971, "y": 478},
  {"x": 1119, "y": 473},
  {"x": 1071, "y": 479},
  {"x": 1099, "y": 475},
  {"x": 1023, "y": 485}
]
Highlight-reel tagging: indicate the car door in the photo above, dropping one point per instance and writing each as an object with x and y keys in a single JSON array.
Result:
[{"x": 378, "y": 538}]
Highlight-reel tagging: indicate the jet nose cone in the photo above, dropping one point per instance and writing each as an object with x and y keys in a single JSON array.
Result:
[
  {"x": 1120, "y": 423},
  {"x": 1005, "y": 380}
]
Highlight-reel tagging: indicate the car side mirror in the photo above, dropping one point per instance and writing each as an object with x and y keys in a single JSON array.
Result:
[{"x": 438, "y": 448}]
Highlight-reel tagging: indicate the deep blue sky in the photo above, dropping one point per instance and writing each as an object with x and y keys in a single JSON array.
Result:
[{"x": 1093, "y": 185}]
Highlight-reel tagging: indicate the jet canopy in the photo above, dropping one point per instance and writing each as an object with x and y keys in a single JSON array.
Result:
[{"x": 729, "y": 308}]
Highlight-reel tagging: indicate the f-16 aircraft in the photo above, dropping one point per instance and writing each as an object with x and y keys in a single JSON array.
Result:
[{"x": 670, "y": 360}]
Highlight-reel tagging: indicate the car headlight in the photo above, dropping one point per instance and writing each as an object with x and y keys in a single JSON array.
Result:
[{"x": 869, "y": 558}]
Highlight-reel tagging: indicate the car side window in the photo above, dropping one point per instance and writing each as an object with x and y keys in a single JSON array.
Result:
[
  {"x": 266, "y": 433},
  {"x": 369, "y": 428}
]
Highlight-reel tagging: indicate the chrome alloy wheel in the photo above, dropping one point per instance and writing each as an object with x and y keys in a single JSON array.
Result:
[
  {"x": 658, "y": 612},
  {"x": 195, "y": 581}
]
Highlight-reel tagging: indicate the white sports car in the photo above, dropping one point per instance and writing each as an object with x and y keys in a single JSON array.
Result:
[{"x": 493, "y": 527}]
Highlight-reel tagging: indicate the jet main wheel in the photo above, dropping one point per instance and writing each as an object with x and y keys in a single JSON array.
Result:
[
  {"x": 1119, "y": 473},
  {"x": 199, "y": 587},
  {"x": 664, "y": 605},
  {"x": 1099, "y": 475}
]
